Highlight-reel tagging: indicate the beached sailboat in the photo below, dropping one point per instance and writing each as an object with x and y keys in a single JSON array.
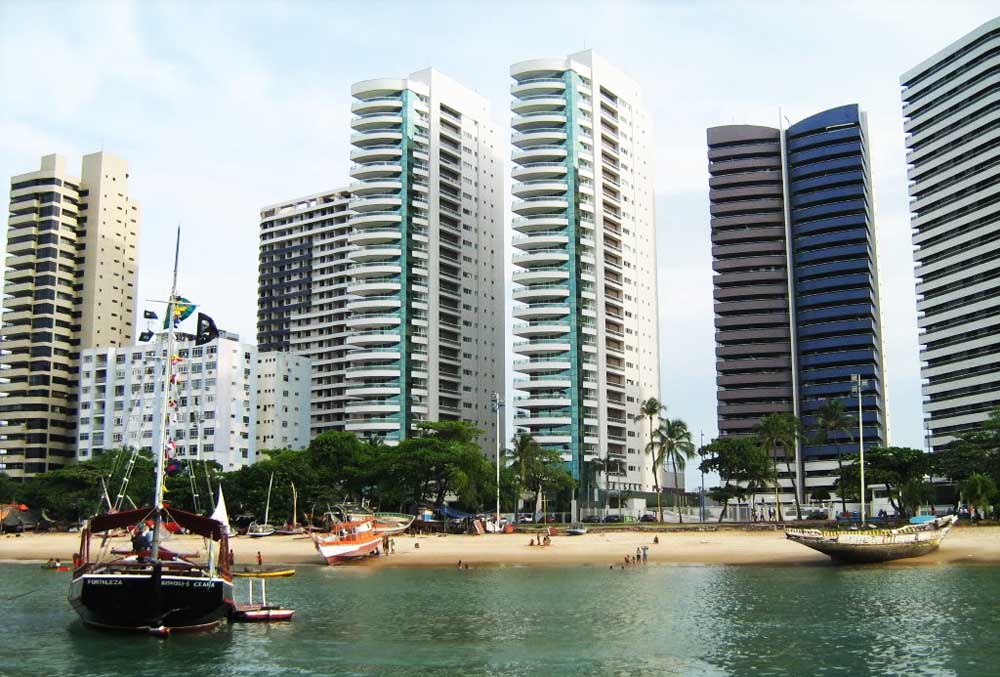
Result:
[
  {"x": 390, "y": 523},
  {"x": 151, "y": 588},
  {"x": 876, "y": 545},
  {"x": 292, "y": 528},
  {"x": 257, "y": 530},
  {"x": 354, "y": 539}
]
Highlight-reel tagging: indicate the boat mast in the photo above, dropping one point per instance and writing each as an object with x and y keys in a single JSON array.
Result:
[
  {"x": 267, "y": 508},
  {"x": 295, "y": 506},
  {"x": 161, "y": 441}
]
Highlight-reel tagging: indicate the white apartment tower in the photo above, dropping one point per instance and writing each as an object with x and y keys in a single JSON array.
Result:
[
  {"x": 585, "y": 315},
  {"x": 951, "y": 106},
  {"x": 121, "y": 390},
  {"x": 394, "y": 287},
  {"x": 69, "y": 285},
  {"x": 283, "y": 390},
  {"x": 426, "y": 297}
]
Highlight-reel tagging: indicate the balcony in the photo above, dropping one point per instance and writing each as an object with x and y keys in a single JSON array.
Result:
[
  {"x": 363, "y": 425},
  {"x": 539, "y": 222},
  {"x": 537, "y": 86},
  {"x": 542, "y": 120},
  {"x": 370, "y": 304},
  {"x": 541, "y": 347},
  {"x": 542, "y": 187},
  {"x": 541, "y": 257},
  {"x": 552, "y": 239},
  {"x": 376, "y": 286},
  {"x": 382, "y": 104},
  {"x": 372, "y": 371},
  {"x": 539, "y": 311},
  {"x": 380, "y": 219},
  {"x": 376, "y": 154},
  {"x": 374, "y": 187},
  {"x": 378, "y": 137},
  {"x": 380, "y": 202},
  {"x": 372, "y": 338},
  {"x": 541, "y": 292},
  {"x": 540, "y": 329},
  {"x": 374, "y": 238},
  {"x": 374, "y": 253},
  {"x": 541, "y": 364},
  {"x": 377, "y": 121},
  {"x": 540, "y": 205},
  {"x": 365, "y": 322},
  {"x": 540, "y": 276},
  {"x": 542, "y": 383},
  {"x": 539, "y": 137},
  {"x": 528, "y": 104},
  {"x": 538, "y": 171},
  {"x": 537, "y": 154}
]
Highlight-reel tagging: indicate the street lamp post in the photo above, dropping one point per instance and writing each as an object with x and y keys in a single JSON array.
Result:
[
  {"x": 856, "y": 387},
  {"x": 497, "y": 406}
]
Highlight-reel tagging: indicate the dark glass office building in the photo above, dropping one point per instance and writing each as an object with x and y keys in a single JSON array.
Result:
[{"x": 796, "y": 284}]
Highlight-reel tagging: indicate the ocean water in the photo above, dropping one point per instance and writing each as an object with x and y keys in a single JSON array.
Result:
[{"x": 651, "y": 620}]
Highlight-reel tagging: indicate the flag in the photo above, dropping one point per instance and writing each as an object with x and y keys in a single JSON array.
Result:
[
  {"x": 207, "y": 331},
  {"x": 146, "y": 336},
  {"x": 148, "y": 315},
  {"x": 183, "y": 309}
]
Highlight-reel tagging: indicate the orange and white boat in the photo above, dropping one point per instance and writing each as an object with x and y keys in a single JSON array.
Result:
[{"x": 348, "y": 540}]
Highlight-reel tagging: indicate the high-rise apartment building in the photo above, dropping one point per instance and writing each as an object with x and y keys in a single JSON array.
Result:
[
  {"x": 794, "y": 249},
  {"x": 394, "y": 288},
  {"x": 302, "y": 294},
  {"x": 121, "y": 391},
  {"x": 585, "y": 315},
  {"x": 951, "y": 106},
  {"x": 284, "y": 382},
  {"x": 69, "y": 285}
]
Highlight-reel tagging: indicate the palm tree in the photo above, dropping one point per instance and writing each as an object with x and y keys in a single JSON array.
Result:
[
  {"x": 831, "y": 419},
  {"x": 655, "y": 449},
  {"x": 676, "y": 447},
  {"x": 781, "y": 430},
  {"x": 653, "y": 408}
]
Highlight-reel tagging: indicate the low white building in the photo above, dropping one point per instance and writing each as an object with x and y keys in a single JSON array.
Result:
[
  {"x": 283, "y": 399},
  {"x": 215, "y": 394}
]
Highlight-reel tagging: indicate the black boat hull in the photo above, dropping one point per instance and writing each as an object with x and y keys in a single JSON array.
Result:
[{"x": 144, "y": 601}]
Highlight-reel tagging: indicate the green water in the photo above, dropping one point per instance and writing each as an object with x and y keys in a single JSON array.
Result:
[{"x": 654, "y": 620}]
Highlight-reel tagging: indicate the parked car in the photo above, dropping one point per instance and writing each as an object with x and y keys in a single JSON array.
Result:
[
  {"x": 648, "y": 517},
  {"x": 614, "y": 518},
  {"x": 590, "y": 519}
]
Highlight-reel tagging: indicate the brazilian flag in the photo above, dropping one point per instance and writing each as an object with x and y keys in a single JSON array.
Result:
[{"x": 183, "y": 309}]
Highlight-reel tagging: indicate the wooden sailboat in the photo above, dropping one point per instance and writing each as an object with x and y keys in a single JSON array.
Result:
[
  {"x": 292, "y": 528},
  {"x": 876, "y": 545},
  {"x": 260, "y": 530},
  {"x": 150, "y": 588}
]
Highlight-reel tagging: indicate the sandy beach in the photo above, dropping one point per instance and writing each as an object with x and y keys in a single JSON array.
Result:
[{"x": 972, "y": 545}]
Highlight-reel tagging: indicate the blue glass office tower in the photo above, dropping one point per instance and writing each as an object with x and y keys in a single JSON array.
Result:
[{"x": 796, "y": 285}]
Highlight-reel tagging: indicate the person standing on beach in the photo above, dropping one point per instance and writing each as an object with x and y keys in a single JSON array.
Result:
[{"x": 645, "y": 553}]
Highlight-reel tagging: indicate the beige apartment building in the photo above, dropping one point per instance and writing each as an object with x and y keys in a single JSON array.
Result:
[{"x": 69, "y": 285}]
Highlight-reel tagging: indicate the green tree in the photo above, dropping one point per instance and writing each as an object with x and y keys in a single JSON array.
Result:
[
  {"x": 892, "y": 466},
  {"x": 653, "y": 408},
  {"x": 676, "y": 448},
  {"x": 540, "y": 469},
  {"x": 915, "y": 493},
  {"x": 979, "y": 490},
  {"x": 833, "y": 420},
  {"x": 782, "y": 430},
  {"x": 743, "y": 464}
]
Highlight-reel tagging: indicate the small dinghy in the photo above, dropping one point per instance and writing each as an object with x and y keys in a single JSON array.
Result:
[
  {"x": 576, "y": 530},
  {"x": 260, "y": 612},
  {"x": 876, "y": 545}
]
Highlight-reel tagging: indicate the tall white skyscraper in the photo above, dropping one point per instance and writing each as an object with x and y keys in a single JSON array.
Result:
[
  {"x": 950, "y": 107},
  {"x": 585, "y": 316},
  {"x": 394, "y": 286}
]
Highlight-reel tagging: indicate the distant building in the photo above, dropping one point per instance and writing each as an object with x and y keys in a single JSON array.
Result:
[
  {"x": 950, "y": 106},
  {"x": 69, "y": 285},
  {"x": 796, "y": 281},
  {"x": 283, "y": 386},
  {"x": 121, "y": 391}
]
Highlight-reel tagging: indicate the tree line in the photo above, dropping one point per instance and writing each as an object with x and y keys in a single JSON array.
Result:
[{"x": 748, "y": 465}]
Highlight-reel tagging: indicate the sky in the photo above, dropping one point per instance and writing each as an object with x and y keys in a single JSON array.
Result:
[{"x": 221, "y": 108}]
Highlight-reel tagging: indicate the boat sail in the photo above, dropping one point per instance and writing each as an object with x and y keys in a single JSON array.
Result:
[
  {"x": 152, "y": 588},
  {"x": 876, "y": 545},
  {"x": 260, "y": 530}
]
